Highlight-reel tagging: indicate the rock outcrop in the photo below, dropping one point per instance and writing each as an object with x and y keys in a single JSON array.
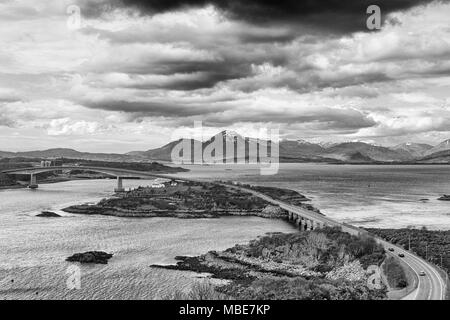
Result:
[
  {"x": 48, "y": 214},
  {"x": 98, "y": 257}
]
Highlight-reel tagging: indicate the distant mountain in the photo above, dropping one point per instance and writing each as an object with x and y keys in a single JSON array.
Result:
[
  {"x": 300, "y": 148},
  {"x": 437, "y": 157},
  {"x": 444, "y": 145},
  {"x": 5, "y": 154},
  {"x": 160, "y": 154},
  {"x": 358, "y": 157},
  {"x": 68, "y": 153},
  {"x": 164, "y": 153},
  {"x": 346, "y": 151},
  {"x": 296, "y": 150},
  {"x": 327, "y": 144},
  {"x": 415, "y": 150},
  {"x": 289, "y": 151}
]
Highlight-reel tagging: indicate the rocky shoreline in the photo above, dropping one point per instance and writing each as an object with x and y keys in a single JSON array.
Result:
[
  {"x": 181, "y": 214},
  {"x": 322, "y": 264}
]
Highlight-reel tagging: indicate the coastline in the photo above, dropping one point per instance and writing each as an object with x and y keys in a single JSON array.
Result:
[
  {"x": 241, "y": 269},
  {"x": 252, "y": 265},
  {"x": 301, "y": 265}
]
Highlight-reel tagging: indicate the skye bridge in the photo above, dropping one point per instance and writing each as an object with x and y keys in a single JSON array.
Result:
[
  {"x": 120, "y": 174},
  {"x": 429, "y": 287},
  {"x": 303, "y": 218}
]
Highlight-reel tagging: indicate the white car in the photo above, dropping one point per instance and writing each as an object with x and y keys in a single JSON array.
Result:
[{"x": 422, "y": 273}]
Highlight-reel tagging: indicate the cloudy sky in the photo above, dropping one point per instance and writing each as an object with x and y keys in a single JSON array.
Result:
[{"x": 131, "y": 75}]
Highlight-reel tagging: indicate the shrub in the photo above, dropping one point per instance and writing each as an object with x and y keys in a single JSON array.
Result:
[
  {"x": 199, "y": 291},
  {"x": 395, "y": 274}
]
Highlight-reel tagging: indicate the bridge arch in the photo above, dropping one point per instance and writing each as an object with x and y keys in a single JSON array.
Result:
[{"x": 120, "y": 174}]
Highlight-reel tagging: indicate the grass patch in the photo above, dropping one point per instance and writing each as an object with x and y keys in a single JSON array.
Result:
[{"x": 395, "y": 274}]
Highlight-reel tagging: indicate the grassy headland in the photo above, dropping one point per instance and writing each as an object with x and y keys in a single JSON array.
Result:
[{"x": 321, "y": 264}]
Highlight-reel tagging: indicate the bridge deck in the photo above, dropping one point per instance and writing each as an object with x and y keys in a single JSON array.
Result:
[{"x": 123, "y": 173}]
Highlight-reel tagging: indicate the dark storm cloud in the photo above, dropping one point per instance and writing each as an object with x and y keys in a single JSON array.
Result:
[
  {"x": 155, "y": 108},
  {"x": 323, "y": 118},
  {"x": 221, "y": 63},
  {"x": 330, "y": 15},
  {"x": 308, "y": 82},
  {"x": 194, "y": 82},
  {"x": 178, "y": 34},
  {"x": 197, "y": 75},
  {"x": 221, "y": 113},
  {"x": 9, "y": 99}
]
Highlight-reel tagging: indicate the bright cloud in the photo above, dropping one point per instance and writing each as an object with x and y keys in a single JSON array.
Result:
[{"x": 117, "y": 79}]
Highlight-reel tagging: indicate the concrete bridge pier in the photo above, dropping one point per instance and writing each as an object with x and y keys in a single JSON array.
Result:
[
  {"x": 119, "y": 185},
  {"x": 303, "y": 224},
  {"x": 300, "y": 223},
  {"x": 33, "y": 182},
  {"x": 290, "y": 216},
  {"x": 307, "y": 225}
]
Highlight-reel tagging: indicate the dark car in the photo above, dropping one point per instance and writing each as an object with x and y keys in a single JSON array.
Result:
[
  {"x": 391, "y": 249},
  {"x": 401, "y": 255}
]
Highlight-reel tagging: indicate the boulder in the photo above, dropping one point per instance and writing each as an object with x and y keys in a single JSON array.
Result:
[
  {"x": 99, "y": 257},
  {"x": 48, "y": 214},
  {"x": 271, "y": 211}
]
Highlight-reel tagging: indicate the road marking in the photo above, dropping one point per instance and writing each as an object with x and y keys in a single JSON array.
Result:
[{"x": 440, "y": 280}]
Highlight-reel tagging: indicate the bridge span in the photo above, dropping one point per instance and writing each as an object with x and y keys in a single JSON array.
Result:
[{"x": 120, "y": 174}]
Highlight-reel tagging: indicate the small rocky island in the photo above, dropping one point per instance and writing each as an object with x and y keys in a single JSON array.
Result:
[
  {"x": 98, "y": 257},
  {"x": 48, "y": 214},
  {"x": 185, "y": 199}
]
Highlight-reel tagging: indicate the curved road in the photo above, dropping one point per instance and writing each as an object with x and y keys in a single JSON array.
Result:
[{"x": 431, "y": 286}]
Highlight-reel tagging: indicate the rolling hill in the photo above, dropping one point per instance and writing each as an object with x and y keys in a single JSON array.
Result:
[
  {"x": 346, "y": 151},
  {"x": 289, "y": 151},
  {"x": 444, "y": 145},
  {"x": 415, "y": 150}
]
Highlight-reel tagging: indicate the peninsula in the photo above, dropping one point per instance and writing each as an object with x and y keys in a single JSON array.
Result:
[{"x": 184, "y": 199}]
